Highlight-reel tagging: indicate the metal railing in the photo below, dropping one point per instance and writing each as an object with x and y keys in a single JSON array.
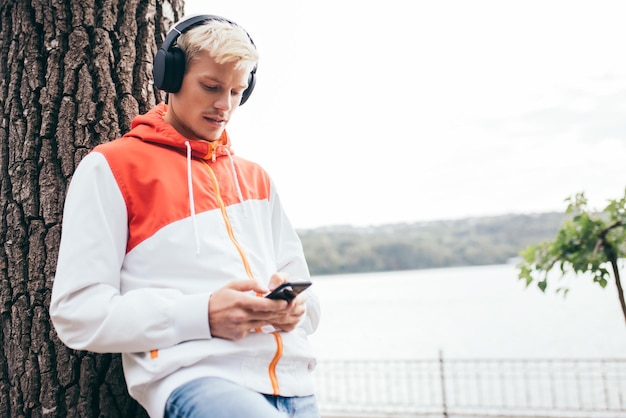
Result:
[{"x": 473, "y": 388}]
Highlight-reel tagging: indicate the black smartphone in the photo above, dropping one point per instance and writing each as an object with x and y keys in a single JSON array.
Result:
[{"x": 289, "y": 290}]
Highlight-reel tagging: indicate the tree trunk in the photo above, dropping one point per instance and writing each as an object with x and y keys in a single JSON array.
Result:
[
  {"x": 618, "y": 284},
  {"x": 73, "y": 75}
]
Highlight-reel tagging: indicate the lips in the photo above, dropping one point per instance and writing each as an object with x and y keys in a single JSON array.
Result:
[{"x": 215, "y": 120}]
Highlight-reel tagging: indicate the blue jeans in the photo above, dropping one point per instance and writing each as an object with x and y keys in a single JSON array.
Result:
[{"x": 213, "y": 397}]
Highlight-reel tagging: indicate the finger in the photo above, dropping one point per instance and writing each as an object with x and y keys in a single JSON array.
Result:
[
  {"x": 266, "y": 308},
  {"x": 298, "y": 300},
  {"x": 287, "y": 323},
  {"x": 297, "y": 309},
  {"x": 289, "y": 316},
  {"x": 277, "y": 279},
  {"x": 247, "y": 285}
]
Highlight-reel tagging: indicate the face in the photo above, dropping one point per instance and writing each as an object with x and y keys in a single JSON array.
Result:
[{"x": 209, "y": 94}]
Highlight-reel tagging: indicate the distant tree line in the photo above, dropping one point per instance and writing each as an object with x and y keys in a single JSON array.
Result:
[{"x": 411, "y": 246}]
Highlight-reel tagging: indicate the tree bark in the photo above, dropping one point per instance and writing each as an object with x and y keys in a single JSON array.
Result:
[
  {"x": 74, "y": 74},
  {"x": 618, "y": 284}
]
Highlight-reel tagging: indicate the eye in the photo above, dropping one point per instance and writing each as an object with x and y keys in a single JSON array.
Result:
[
  {"x": 210, "y": 87},
  {"x": 236, "y": 92}
]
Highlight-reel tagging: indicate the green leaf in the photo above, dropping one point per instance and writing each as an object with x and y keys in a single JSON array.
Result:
[
  {"x": 542, "y": 285},
  {"x": 586, "y": 243}
]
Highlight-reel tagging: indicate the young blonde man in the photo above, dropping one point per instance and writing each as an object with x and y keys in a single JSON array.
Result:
[{"x": 170, "y": 240}]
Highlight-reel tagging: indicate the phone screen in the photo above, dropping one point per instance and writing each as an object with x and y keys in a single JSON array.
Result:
[{"x": 288, "y": 291}]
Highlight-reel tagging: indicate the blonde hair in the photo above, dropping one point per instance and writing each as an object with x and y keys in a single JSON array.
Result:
[{"x": 224, "y": 41}]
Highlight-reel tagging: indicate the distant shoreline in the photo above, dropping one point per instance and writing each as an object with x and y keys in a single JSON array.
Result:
[{"x": 422, "y": 245}]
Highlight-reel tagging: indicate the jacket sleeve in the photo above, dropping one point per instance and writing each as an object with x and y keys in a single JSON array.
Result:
[
  {"x": 290, "y": 259},
  {"x": 88, "y": 308}
]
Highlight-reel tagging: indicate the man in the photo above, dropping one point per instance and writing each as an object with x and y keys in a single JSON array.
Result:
[{"x": 170, "y": 240}]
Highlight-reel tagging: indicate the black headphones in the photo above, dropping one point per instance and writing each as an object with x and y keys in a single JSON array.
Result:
[{"x": 169, "y": 62}]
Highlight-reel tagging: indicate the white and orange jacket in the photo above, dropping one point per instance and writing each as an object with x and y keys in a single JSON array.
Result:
[{"x": 153, "y": 224}]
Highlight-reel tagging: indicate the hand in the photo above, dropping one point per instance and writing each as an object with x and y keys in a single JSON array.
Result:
[
  {"x": 234, "y": 312},
  {"x": 290, "y": 317}
]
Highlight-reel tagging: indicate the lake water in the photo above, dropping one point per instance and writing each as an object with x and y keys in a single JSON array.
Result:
[{"x": 468, "y": 312}]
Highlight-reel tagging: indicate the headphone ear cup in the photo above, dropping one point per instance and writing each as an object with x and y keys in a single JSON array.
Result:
[
  {"x": 169, "y": 69},
  {"x": 176, "y": 69},
  {"x": 158, "y": 69},
  {"x": 247, "y": 92}
]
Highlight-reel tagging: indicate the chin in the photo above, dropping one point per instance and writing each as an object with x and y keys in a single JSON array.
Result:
[
  {"x": 214, "y": 136},
  {"x": 209, "y": 136}
]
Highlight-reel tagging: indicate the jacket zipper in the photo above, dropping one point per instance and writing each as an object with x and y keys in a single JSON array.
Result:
[
  {"x": 229, "y": 227},
  {"x": 244, "y": 259},
  {"x": 272, "y": 367}
]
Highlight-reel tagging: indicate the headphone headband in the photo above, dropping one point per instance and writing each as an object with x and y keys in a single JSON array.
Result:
[{"x": 169, "y": 62}]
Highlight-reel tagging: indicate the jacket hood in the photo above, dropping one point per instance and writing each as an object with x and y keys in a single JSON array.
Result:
[{"x": 151, "y": 127}]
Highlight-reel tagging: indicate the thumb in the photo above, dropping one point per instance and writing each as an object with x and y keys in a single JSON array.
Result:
[
  {"x": 277, "y": 279},
  {"x": 247, "y": 285}
]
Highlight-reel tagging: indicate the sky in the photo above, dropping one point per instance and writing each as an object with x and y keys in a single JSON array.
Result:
[{"x": 370, "y": 112}]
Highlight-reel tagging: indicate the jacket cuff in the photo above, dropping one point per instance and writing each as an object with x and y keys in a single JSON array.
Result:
[{"x": 191, "y": 317}]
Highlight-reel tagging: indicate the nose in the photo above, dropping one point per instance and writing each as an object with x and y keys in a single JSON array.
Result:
[{"x": 224, "y": 101}]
